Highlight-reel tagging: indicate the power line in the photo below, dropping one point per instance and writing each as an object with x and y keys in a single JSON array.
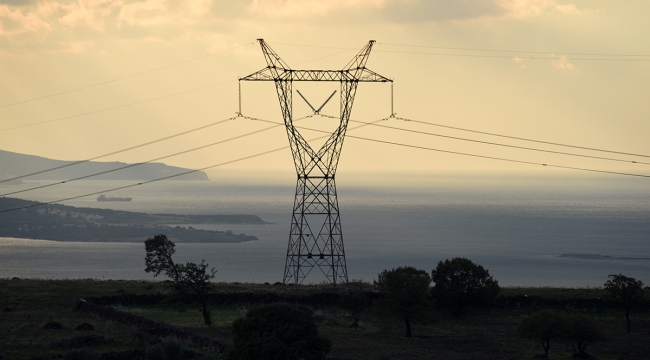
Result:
[
  {"x": 499, "y": 158},
  {"x": 510, "y": 57},
  {"x": 123, "y": 77},
  {"x": 116, "y": 107},
  {"x": 520, "y": 138},
  {"x": 516, "y": 51},
  {"x": 473, "y": 155},
  {"x": 120, "y": 151},
  {"x": 144, "y": 162},
  {"x": 144, "y": 182},
  {"x": 352, "y": 136},
  {"x": 179, "y": 174},
  {"x": 495, "y": 56},
  {"x": 374, "y": 123},
  {"x": 506, "y": 145}
]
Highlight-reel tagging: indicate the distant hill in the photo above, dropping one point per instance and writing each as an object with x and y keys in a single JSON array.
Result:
[{"x": 14, "y": 164}]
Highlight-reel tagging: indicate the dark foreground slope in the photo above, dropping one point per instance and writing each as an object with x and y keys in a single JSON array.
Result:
[
  {"x": 69, "y": 223},
  {"x": 131, "y": 316}
]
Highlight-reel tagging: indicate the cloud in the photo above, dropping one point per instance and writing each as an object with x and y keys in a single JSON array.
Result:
[
  {"x": 89, "y": 13},
  {"x": 75, "y": 47},
  {"x": 17, "y": 2},
  {"x": 15, "y": 22},
  {"x": 562, "y": 63},
  {"x": 532, "y": 8},
  {"x": 145, "y": 13},
  {"x": 310, "y": 8},
  {"x": 409, "y": 11}
]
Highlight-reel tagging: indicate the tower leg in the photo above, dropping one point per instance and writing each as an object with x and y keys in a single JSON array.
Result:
[{"x": 315, "y": 239}]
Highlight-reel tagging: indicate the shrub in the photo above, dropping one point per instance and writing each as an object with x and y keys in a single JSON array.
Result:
[
  {"x": 278, "y": 332},
  {"x": 459, "y": 282}
]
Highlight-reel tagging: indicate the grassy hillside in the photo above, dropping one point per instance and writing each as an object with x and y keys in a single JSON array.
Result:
[{"x": 480, "y": 334}]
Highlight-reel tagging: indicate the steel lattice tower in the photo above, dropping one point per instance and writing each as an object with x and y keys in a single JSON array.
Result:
[{"x": 316, "y": 239}]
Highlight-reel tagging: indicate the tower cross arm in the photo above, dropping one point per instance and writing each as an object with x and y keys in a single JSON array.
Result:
[{"x": 364, "y": 75}]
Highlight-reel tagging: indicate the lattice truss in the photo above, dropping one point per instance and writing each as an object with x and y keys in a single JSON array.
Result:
[{"x": 315, "y": 239}]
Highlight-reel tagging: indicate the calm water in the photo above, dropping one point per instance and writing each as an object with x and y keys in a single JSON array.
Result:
[{"x": 514, "y": 231}]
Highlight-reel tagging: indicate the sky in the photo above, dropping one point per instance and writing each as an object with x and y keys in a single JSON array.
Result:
[{"x": 84, "y": 78}]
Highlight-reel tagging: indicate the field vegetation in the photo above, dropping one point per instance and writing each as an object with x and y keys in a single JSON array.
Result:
[{"x": 486, "y": 332}]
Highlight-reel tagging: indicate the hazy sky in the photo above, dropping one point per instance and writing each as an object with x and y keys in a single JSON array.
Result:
[{"x": 543, "y": 82}]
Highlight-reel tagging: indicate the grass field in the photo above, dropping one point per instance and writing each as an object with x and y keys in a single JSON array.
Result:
[{"x": 480, "y": 334}]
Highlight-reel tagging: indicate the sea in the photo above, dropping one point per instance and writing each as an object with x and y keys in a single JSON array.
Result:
[{"x": 514, "y": 227}]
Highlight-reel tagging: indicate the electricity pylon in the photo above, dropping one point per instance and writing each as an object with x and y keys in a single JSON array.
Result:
[{"x": 316, "y": 239}]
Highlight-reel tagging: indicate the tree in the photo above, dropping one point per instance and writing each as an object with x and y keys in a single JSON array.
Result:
[
  {"x": 581, "y": 331},
  {"x": 627, "y": 290},
  {"x": 459, "y": 282},
  {"x": 542, "y": 326},
  {"x": 354, "y": 302},
  {"x": 159, "y": 257},
  {"x": 190, "y": 279},
  {"x": 195, "y": 281},
  {"x": 406, "y": 293},
  {"x": 278, "y": 332}
]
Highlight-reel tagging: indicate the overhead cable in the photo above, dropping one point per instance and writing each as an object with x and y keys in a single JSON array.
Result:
[
  {"x": 124, "y": 77},
  {"x": 172, "y": 176},
  {"x": 519, "y": 138},
  {"x": 510, "y": 57},
  {"x": 317, "y": 138},
  {"x": 120, "y": 151},
  {"x": 474, "y": 155},
  {"x": 506, "y": 145},
  {"x": 144, "y": 162},
  {"x": 515, "y": 51},
  {"x": 498, "y": 158},
  {"x": 495, "y": 56}
]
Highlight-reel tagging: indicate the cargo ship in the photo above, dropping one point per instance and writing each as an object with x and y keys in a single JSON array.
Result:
[{"x": 103, "y": 197}]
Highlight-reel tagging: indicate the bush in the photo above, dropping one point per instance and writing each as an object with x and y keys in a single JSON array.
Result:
[
  {"x": 278, "y": 332},
  {"x": 459, "y": 282}
]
